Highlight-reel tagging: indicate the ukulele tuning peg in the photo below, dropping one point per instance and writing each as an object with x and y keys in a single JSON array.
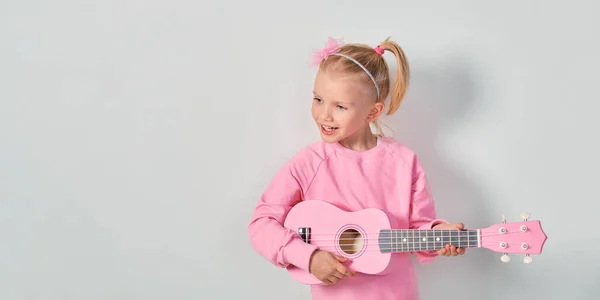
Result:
[
  {"x": 505, "y": 258},
  {"x": 524, "y": 216},
  {"x": 527, "y": 259}
]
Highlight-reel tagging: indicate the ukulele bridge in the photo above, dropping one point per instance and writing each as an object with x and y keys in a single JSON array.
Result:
[{"x": 304, "y": 232}]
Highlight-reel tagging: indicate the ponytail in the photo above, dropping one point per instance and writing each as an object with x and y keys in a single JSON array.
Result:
[{"x": 402, "y": 75}]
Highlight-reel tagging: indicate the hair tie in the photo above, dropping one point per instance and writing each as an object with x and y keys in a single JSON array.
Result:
[{"x": 379, "y": 50}]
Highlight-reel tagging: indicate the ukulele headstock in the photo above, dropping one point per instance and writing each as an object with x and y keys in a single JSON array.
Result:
[{"x": 524, "y": 237}]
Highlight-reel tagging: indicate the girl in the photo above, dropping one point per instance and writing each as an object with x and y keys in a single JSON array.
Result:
[{"x": 351, "y": 168}]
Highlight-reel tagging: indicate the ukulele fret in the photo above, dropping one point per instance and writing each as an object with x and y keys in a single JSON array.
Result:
[
  {"x": 402, "y": 246},
  {"x": 395, "y": 241}
]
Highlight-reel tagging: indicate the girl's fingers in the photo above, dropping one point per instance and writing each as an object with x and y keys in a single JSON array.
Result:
[
  {"x": 338, "y": 274},
  {"x": 333, "y": 279},
  {"x": 453, "y": 251},
  {"x": 450, "y": 250}
]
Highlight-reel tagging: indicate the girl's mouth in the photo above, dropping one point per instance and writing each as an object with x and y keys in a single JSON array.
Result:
[{"x": 328, "y": 129}]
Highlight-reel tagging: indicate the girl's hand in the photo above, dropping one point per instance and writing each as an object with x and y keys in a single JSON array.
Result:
[
  {"x": 328, "y": 267},
  {"x": 450, "y": 250}
]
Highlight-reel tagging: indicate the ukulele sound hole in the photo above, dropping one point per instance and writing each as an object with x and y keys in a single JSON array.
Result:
[{"x": 351, "y": 242}]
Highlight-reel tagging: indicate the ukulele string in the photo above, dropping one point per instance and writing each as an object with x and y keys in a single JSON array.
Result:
[
  {"x": 401, "y": 247},
  {"x": 412, "y": 232},
  {"x": 399, "y": 237}
]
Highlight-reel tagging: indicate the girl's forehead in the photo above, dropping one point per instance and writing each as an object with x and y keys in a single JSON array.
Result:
[{"x": 334, "y": 85}]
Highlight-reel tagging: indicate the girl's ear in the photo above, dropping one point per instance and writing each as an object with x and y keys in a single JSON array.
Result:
[{"x": 375, "y": 111}]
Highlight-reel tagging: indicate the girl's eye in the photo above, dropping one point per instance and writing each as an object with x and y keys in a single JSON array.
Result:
[
  {"x": 317, "y": 99},
  {"x": 341, "y": 107}
]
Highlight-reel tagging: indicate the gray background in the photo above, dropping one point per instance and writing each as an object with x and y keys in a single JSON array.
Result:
[{"x": 137, "y": 136}]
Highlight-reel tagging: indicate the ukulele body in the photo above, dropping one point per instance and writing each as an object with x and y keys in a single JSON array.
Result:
[{"x": 354, "y": 235}]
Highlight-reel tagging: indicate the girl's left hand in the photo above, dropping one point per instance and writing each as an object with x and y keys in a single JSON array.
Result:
[{"x": 450, "y": 250}]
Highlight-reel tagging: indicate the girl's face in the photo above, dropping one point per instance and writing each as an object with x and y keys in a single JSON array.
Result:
[{"x": 343, "y": 106}]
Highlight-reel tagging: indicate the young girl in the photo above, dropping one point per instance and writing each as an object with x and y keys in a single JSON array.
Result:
[{"x": 354, "y": 169}]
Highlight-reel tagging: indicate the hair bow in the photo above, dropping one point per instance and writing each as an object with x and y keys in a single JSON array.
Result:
[{"x": 331, "y": 47}]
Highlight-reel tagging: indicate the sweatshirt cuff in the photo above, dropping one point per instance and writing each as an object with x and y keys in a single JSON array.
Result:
[
  {"x": 425, "y": 257},
  {"x": 298, "y": 253},
  {"x": 431, "y": 224}
]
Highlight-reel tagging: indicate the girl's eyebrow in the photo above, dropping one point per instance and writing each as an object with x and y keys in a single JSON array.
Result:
[{"x": 339, "y": 102}]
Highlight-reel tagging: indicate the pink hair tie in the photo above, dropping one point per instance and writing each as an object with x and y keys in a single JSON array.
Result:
[{"x": 379, "y": 50}]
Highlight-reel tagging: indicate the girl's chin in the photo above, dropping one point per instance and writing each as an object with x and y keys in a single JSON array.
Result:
[{"x": 330, "y": 138}]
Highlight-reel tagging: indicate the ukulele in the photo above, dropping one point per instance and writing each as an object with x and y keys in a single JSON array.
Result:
[{"x": 367, "y": 239}]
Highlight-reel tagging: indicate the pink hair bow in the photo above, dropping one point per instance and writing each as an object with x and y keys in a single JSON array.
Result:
[{"x": 331, "y": 47}]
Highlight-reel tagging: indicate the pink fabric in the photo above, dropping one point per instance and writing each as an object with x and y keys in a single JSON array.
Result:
[
  {"x": 379, "y": 50},
  {"x": 388, "y": 176}
]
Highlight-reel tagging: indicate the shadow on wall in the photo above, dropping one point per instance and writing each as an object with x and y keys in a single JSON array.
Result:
[{"x": 439, "y": 97}]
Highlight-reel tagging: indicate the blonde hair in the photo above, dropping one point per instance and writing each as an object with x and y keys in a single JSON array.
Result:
[{"x": 378, "y": 67}]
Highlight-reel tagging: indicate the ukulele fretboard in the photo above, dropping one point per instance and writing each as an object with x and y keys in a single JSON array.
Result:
[{"x": 409, "y": 240}]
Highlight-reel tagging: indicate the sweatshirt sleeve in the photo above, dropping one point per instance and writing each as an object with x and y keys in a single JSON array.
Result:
[
  {"x": 422, "y": 209},
  {"x": 281, "y": 246}
]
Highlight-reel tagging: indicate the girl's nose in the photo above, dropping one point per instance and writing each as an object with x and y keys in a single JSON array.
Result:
[{"x": 327, "y": 115}]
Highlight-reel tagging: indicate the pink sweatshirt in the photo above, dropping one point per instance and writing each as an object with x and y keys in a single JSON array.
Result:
[{"x": 388, "y": 176}]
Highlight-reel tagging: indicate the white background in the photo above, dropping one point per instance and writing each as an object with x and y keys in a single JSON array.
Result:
[{"x": 137, "y": 136}]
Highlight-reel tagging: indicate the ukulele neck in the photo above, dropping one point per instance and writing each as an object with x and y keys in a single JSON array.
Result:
[{"x": 411, "y": 240}]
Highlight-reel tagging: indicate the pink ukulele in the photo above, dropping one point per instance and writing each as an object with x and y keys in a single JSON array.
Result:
[{"x": 367, "y": 239}]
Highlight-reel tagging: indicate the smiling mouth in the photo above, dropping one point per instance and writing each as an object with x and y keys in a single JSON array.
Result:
[{"x": 328, "y": 129}]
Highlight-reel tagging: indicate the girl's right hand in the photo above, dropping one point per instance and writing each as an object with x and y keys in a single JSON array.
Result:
[{"x": 328, "y": 267}]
